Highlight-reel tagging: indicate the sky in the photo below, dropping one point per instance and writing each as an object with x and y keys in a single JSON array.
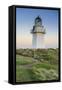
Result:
[{"x": 24, "y": 24}]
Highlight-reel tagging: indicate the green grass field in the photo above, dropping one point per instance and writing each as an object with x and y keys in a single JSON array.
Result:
[{"x": 36, "y": 65}]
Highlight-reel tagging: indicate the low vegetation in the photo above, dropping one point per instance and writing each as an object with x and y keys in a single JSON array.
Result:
[{"x": 36, "y": 64}]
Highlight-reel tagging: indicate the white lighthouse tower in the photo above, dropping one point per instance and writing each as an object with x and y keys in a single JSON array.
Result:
[{"x": 38, "y": 33}]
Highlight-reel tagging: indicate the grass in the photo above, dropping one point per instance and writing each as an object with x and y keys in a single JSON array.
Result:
[
  {"x": 44, "y": 74},
  {"x": 21, "y": 60},
  {"x": 45, "y": 65},
  {"x": 23, "y": 75},
  {"x": 36, "y": 68}
]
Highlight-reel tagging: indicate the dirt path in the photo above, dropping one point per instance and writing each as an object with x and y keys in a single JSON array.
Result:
[{"x": 28, "y": 65}]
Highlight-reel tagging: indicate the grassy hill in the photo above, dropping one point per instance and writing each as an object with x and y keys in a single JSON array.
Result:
[{"x": 36, "y": 64}]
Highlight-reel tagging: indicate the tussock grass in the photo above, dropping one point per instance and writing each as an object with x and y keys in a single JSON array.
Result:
[{"x": 35, "y": 65}]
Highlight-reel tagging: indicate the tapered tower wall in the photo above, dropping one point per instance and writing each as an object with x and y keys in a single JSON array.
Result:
[
  {"x": 38, "y": 34},
  {"x": 38, "y": 40}
]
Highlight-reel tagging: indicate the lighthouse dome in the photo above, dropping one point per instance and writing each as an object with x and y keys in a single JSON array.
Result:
[
  {"x": 38, "y": 27},
  {"x": 38, "y": 21}
]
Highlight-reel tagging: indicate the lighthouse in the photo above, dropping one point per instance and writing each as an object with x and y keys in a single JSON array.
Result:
[{"x": 38, "y": 34}]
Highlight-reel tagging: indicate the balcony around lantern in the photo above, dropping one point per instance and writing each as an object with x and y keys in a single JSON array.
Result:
[{"x": 38, "y": 30}]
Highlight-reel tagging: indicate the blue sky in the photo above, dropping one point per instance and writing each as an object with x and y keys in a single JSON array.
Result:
[{"x": 24, "y": 23}]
